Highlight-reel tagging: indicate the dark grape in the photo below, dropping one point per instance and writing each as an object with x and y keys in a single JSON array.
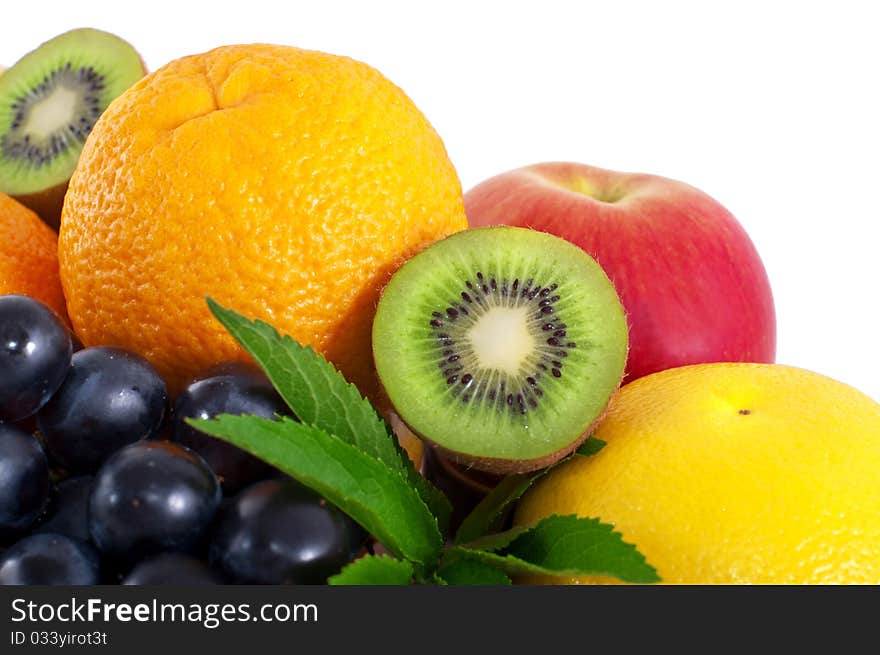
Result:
[
  {"x": 68, "y": 511},
  {"x": 110, "y": 398},
  {"x": 233, "y": 388},
  {"x": 24, "y": 481},
  {"x": 278, "y": 532},
  {"x": 35, "y": 350},
  {"x": 172, "y": 569},
  {"x": 151, "y": 497},
  {"x": 50, "y": 559}
]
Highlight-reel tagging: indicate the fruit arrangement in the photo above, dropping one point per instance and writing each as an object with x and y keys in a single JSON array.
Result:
[{"x": 272, "y": 342}]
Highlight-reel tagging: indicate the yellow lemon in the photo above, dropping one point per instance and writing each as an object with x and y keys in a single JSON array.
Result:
[{"x": 733, "y": 473}]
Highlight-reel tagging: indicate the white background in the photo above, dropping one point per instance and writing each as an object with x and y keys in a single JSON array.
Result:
[{"x": 772, "y": 108}]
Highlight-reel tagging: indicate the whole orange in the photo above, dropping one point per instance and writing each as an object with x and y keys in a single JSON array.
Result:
[
  {"x": 288, "y": 184},
  {"x": 28, "y": 256}
]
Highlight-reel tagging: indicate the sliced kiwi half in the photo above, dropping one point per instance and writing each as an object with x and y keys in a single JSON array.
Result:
[
  {"x": 49, "y": 102},
  {"x": 501, "y": 346}
]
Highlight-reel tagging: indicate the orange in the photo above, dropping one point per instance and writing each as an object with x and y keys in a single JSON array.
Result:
[
  {"x": 287, "y": 184},
  {"x": 28, "y": 256},
  {"x": 733, "y": 473}
]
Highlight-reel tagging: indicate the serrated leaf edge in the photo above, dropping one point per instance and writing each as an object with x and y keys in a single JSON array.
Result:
[{"x": 333, "y": 579}]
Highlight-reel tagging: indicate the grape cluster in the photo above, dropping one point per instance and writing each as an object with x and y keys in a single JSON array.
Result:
[{"x": 102, "y": 480}]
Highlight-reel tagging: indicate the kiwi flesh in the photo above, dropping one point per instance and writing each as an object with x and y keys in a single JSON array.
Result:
[
  {"x": 49, "y": 102},
  {"x": 501, "y": 346}
]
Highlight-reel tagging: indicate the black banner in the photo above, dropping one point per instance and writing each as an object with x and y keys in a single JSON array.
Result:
[{"x": 426, "y": 619}]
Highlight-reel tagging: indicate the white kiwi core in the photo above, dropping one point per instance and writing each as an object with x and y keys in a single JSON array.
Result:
[
  {"x": 53, "y": 112},
  {"x": 501, "y": 339}
]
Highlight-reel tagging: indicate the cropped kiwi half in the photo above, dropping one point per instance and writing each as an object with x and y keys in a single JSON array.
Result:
[
  {"x": 501, "y": 346},
  {"x": 49, "y": 102}
]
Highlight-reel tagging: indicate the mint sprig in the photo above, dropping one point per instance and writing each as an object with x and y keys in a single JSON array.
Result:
[
  {"x": 318, "y": 395},
  {"x": 340, "y": 447}
]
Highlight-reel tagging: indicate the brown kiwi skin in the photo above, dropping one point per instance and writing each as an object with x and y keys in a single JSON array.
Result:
[
  {"x": 46, "y": 204},
  {"x": 498, "y": 466}
]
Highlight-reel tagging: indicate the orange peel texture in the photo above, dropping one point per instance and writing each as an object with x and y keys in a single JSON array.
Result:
[{"x": 287, "y": 184}]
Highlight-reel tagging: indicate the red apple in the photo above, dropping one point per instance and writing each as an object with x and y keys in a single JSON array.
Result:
[{"x": 688, "y": 275}]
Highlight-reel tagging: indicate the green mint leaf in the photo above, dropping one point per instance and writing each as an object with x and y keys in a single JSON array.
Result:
[
  {"x": 374, "y": 570},
  {"x": 469, "y": 571},
  {"x": 492, "y": 511},
  {"x": 591, "y": 446},
  {"x": 376, "y": 496},
  {"x": 320, "y": 396},
  {"x": 562, "y": 545}
]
